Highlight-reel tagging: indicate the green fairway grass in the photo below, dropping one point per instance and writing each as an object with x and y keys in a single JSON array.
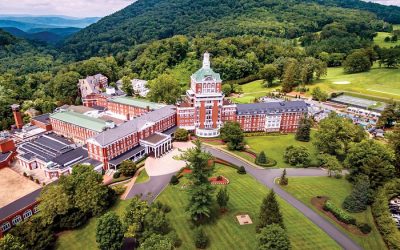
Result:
[
  {"x": 380, "y": 40},
  {"x": 380, "y": 82},
  {"x": 84, "y": 238},
  {"x": 305, "y": 188},
  {"x": 274, "y": 147},
  {"x": 143, "y": 177},
  {"x": 246, "y": 195}
]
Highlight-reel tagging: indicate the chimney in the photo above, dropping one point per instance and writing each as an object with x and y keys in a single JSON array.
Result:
[
  {"x": 17, "y": 116},
  {"x": 206, "y": 61}
]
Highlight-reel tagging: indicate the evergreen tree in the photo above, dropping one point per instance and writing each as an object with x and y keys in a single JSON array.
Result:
[
  {"x": 273, "y": 237},
  {"x": 223, "y": 198},
  {"x": 200, "y": 238},
  {"x": 284, "y": 181},
  {"x": 262, "y": 158},
  {"x": 109, "y": 232},
  {"x": 304, "y": 130},
  {"x": 270, "y": 212},
  {"x": 200, "y": 198},
  {"x": 360, "y": 196}
]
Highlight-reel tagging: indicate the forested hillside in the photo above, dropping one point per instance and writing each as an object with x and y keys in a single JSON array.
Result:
[{"x": 147, "y": 20}]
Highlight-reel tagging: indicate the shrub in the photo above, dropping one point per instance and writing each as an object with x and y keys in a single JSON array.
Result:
[
  {"x": 128, "y": 168},
  {"x": 364, "y": 228},
  {"x": 119, "y": 189},
  {"x": 241, "y": 170},
  {"x": 174, "y": 180},
  {"x": 261, "y": 158},
  {"x": 219, "y": 178},
  {"x": 339, "y": 213},
  {"x": 297, "y": 156},
  {"x": 200, "y": 238},
  {"x": 116, "y": 175},
  {"x": 37, "y": 181},
  {"x": 181, "y": 134}
]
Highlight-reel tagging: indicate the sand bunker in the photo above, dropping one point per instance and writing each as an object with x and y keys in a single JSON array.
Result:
[{"x": 341, "y": 82}]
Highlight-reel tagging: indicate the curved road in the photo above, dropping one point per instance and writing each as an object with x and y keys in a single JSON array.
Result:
[{"x": 267, "y": 177}]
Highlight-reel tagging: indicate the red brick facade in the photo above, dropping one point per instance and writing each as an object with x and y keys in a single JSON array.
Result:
[
  {"x": 17, "y": 217},
  {"x": 69, "y": 130}
]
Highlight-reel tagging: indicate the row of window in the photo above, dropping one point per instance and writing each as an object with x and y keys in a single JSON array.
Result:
[{"x": 17, "y": 219}]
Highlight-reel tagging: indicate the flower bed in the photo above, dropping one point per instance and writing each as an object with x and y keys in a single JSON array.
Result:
[{"x": 219, "y": 180}]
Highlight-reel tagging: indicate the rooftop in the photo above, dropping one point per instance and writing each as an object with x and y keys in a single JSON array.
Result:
[
  {"x": 206, "y": 74},
  {"x": 127, "y": 155},
  {"x": 132, "y": 126},
  {"x": 359, "y": 102},
  {"x": 126, "y": 100},
  {"x": 80, "y": 120},
  {"x": 271, "y": 107},
  {"x": 42, "y": 118},
  {"x": 155, "y": 138}
]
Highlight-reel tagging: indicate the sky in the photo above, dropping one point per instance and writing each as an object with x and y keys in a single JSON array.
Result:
[
  {"x": 73, "y": 8},
  {"x": 82, "y": 8}
]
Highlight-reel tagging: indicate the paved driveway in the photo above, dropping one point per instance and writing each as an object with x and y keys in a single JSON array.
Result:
[
  {"x": 167, "y": 164},
  {"x": 267, "y": 176}
]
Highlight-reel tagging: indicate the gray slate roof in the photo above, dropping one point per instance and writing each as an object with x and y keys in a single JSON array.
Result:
[
  {"x": 134, "y": 125},
  {"x": 127, "y": 155},
  {"x": 19, "y": 204},
  {"x": 271, "y": 107},
  {"x": 45, "y": 118},
  {"x": 4, "y": 156}
]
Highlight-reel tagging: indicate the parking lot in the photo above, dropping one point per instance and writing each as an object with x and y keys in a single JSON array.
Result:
[{"x": 394, "y": 206}]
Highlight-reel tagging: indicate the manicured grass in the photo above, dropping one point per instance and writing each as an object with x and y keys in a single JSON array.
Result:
[
  {"x": 305, "y": 188},
  {"x": 380, "y": 40},
  {"x": 251, "y": 91},
  {"x": 274, "y": 146},
  {"x": 85, "y": 237},
  {"x": 143, "y": 177},
  {"x": 246, "y": 195},
  {"x": 379, "y": 82}
]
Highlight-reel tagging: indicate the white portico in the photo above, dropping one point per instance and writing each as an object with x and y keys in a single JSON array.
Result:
[{"x": 157, "y": 143}]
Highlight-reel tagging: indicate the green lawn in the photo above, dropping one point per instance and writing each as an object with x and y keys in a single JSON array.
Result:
[
  {"x": 274, "y": 147},
  {"x": 85, "y": 237},
  {"x": 305, "y": 188},
  {"x": 143, "y": 177},
  {"x": 380, "y": 40},
  {"x": 246, "y": 195},
  {"x": 379, "y": 82},
  {"x": 251, "y": 91}
]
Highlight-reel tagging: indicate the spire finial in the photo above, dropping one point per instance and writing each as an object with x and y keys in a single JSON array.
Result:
[{"x": 206, "y": 60}]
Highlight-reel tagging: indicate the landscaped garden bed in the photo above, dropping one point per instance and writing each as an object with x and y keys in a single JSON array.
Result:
[
  {"x": 219, "y": 180},
  {"x": 345, "y": 220}
]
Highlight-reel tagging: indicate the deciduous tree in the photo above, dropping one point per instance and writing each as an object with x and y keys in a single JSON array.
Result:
[
  {"x": 127, "y": 86},
  {"x": 297, "y": 156},
  {"x": 109, "y": 232},
  {"x": 304, "y": 129},
  {"x": 165, "y": 88},
  {"x": 232, "y": 133},
  {"x": 128, "y": 168},
  {"x": 10, "y": 242}
]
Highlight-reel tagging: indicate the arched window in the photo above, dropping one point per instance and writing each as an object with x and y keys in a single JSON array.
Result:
[
  {"x": 5, "y": 226},
  {"x": 27, "y": 214},
  {"x": 17, "y": 219}
]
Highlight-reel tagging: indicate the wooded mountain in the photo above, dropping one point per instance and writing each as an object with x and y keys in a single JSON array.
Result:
[
  {"x": 48, "y": 35},
  {"x": 147, "y": 20}
]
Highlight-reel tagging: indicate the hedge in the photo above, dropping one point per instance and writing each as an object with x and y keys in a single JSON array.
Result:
[
  {"x": 339, "y": 213},
  {"x": 261, "y": 133},
  {"x": 382, "y": 215}
]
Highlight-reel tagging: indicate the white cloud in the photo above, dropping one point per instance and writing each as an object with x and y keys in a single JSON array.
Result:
[
  {"x": 77, "y": 8},
  {"x": 386, "y": 2}
]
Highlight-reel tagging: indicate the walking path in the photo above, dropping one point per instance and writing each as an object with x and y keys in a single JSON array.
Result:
[{"x": 268, "y": 176}]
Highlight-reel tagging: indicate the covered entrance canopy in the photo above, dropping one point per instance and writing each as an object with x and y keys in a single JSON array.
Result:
[
  {"x": 134, "y": 154},
  {"x": 158, "y": 143}
]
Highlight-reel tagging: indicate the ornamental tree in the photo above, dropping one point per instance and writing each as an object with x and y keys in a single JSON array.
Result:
[
  {"x": 128, "y": 168},
  {"x": 157, "y": 242},
  {"x": 109, "y": 232},
  {"x": 297, "y": 156},
  {"x": 284, "y": 181},
  {"x": 273, "y": 237},
  {"x": 223, "y": 198},
  {"x": 181, "y": 134},
  {"x": 270, "y": 212},
  {"x": 232, "y": 133},
  {"x": 360, "y": 196},
  {"x": 261, "y": 158}
]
